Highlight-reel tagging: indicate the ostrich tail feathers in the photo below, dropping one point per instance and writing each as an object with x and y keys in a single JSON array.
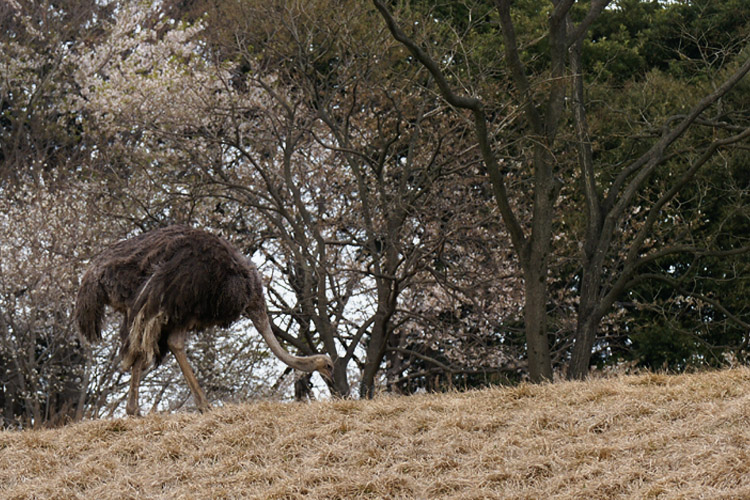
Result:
[
  {"x": 146, "y": 326},
  {"x": 89, "y": 308},
  {"x": 143, "y": 339}
]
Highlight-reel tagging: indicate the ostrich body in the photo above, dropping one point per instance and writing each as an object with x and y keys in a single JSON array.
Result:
[{"x": 167, "y": 282}]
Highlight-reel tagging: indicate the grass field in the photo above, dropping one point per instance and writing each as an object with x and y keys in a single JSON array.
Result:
[{"x": 644, "y": 436}]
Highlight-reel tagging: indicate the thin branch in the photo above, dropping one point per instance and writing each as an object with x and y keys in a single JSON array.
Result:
[
  {"x": 423, "y": 357},
  {"x": 708, "y": 300},
  {"x": 699, "y": 252},
  {"x": 453, "y": 99}
]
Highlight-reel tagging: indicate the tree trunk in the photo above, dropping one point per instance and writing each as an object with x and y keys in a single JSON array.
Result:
[
  {"x": 340, "y": 387},
  {"x": 374, "y": 354},
  {"x": 388, "y": 290},
  {"x": 376, "y": 348},
  {"x": 535, "y": 318},
  {"x": 587, "y": 325},
  {"x": 534, "y": 261}
]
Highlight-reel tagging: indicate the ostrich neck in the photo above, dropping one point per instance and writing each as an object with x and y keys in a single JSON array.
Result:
[{"x": 263, "y": 325}]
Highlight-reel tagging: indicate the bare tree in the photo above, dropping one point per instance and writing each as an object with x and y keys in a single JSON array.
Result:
[{"x": 390, "y": 153}]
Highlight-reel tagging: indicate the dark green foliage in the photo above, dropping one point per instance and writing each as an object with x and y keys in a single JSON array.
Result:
[{"x": 685, "y": 38}]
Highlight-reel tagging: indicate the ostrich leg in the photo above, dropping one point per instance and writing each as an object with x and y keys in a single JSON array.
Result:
[
  {"x": 176, "y": 343},
  {"x": 135, "y": 381}
]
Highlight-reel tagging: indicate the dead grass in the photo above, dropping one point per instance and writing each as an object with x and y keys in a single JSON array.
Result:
[{"x": 646, "y": 436}]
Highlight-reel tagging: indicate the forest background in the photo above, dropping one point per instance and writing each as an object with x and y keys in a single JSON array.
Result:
[{"x": 439, "y": 194}]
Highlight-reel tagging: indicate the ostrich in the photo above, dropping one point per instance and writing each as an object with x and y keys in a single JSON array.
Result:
[{"x": 167, "y": 282}]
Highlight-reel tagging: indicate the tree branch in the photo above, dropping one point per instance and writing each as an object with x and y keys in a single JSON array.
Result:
[
  {"x": 585, "y": 153},
  {"x": 632, "y": 262},
  {"x": 480, "y": 126},
  {"x": 646, "y": 164},
  {"x": 675, "y": 284},
  {"x": 517, "y": 70},
  {"x": 596, "y": 8}
]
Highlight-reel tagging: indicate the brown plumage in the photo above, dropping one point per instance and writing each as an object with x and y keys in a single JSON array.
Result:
[{"x": 167, "y": 282}]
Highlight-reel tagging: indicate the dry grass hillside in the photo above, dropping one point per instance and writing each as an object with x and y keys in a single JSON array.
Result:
[{"x": 646, "y": 436}]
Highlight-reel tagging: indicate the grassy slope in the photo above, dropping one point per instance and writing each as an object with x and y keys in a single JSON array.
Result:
[{"x": 647, "y": 436}]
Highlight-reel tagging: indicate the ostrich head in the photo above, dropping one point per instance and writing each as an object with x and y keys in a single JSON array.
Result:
[{"x": 324, "y": 365}]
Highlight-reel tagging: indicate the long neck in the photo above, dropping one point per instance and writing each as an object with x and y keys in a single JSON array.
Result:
[{"x": 263, "y": 325}]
